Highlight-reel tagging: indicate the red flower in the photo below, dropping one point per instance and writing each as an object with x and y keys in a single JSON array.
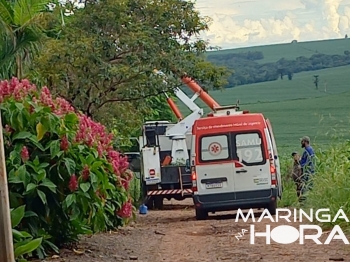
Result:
[
  {"x": 8, "y": 129},
  {"x": 119, "y": 163},
  {"x": 85, "y": 173},
  {"x": 46, "y": 98},
  {"x": 73, "y": 183},
  {"x": 64, "y": 143},
  {"x": 128, "y": 175},
  {"x": 63, "y": 107},
  {"x": 126, "y": 210},
  {"x": 24, "y": 154},
  {"x": 31, "y": 109},
  {"x": 125, "y": 183}
]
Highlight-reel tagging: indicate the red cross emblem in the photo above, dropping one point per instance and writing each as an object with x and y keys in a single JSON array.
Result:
[{"x": 215, "y": 148}]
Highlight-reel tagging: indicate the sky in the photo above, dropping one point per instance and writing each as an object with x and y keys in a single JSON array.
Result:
[{"x": 242, "y": 23}]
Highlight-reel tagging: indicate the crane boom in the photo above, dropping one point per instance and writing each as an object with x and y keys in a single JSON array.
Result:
[
  {"x": 200, "y": 92},
  {"x": 174, "y": 107}
]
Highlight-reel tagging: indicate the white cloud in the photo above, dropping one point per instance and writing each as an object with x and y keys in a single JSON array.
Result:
[{"x": 238, "y": 23}]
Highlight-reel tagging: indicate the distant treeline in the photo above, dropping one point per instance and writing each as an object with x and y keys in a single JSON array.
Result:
[{"x": 248, "y": 71}]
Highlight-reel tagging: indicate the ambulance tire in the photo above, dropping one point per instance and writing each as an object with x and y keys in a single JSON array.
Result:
[
  {"x": 272, "y": 207},
  {"x": 201, "y": 214},
  {"x": 158, "y": 202}
]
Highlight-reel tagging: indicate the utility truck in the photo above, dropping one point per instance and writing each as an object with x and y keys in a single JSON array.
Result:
[{"x": 165, "y": 149}]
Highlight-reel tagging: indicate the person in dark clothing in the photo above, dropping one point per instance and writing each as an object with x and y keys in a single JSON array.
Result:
[
  {"x": 297, "y": 173},
  {"x": 307, "y": 165},
  {"x": 306, "y": 161}
]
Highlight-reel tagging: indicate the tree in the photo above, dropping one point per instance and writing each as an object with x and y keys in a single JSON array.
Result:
[
  {"x": 316, "y": 81},
  {"x": 105, "y": 59},
  {"x": 20, "y": 35}
]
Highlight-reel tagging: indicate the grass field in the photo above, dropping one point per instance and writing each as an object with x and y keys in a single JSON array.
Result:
[
  {"x": 295, "y": 108},
  {"x": 273, "y": 53}
]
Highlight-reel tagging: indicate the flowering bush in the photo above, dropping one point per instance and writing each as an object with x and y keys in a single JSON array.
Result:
[{"x": 61, "y": 166}]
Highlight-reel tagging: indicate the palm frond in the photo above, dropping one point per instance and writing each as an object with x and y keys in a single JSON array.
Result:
[
  {"x": 6, "y": 16},
  {"x": 27, "y": 11}
]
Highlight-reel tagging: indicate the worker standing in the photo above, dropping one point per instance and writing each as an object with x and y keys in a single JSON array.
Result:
[
  {"x": 307, "y": 165},
  {"x": 297, "y": 173}
]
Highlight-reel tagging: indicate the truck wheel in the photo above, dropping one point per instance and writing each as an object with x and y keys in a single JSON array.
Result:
[
  {"x": 150, "y": 202},
  {"x": 158, "y": 202},
  {"x": 201, "y": 214},
  {"x": 272, "y": 207}
]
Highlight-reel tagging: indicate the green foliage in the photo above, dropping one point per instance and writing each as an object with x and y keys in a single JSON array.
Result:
[
  {"x": 24, "y": 244},
  {"x": 20, "y": 35},
  {"x": 61, "y": 167},
  {"x": 107, "y": 53},
  {"x": 289, "y": 197},
  {"x": 135, "y": 190},
  {"x": 330, "y": 183},
  {"x": 247, "y": 68},
  {"x": 158, "y": 109}
]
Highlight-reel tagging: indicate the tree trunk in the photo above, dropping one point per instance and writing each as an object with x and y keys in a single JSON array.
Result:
[{"x": 18, "y": 67}]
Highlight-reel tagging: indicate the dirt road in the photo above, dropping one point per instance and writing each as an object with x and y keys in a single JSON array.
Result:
[{"x": 174, "y": 235}]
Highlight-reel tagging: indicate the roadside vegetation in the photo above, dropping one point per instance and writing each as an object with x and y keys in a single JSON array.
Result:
[
  {"x": 73, "y": 90},
  {"x": 330, "y": 185}
]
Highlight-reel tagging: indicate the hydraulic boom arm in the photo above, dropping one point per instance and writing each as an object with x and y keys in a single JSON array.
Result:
[
  {"x": 189, "y": 102},
  {"x": 199, "y": 92},
  {"x": 174, "y": 107}
]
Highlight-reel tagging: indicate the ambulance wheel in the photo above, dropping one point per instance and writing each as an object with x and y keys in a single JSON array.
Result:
[
  {"x": 158, "y": 202},
  {"x": 272, "y": 207},
  {"x": 201, "y": 214}
]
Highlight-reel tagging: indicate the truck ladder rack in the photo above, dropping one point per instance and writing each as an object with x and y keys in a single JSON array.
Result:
[{"x": 221, "y": 108}]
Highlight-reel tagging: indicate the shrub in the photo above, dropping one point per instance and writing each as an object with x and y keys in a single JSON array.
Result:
[
  {"x": 331, "y": 183},
  {"x": 61, "y": 166},
  {"x": 135, "y": 190},
  {"x": 23, "y": 242},
  {"x": 289, "y": 196}
]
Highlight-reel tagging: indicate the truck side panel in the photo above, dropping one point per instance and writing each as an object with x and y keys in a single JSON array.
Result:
[{"x": 151, "y": 161}]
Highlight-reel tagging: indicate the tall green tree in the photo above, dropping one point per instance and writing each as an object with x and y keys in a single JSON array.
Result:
[
  {"x": 104, "y": 62},
  {"x": 20, "y": 35}
]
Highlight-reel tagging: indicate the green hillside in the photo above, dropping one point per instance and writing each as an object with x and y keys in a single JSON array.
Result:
[
  {"x": 295, "y": 107},
  {"x": 273, "y": 53},
  {"x": 324, "y": 119}
]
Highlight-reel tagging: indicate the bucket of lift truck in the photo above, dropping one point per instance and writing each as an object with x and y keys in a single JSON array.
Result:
[{"x": 227, "y": 110}]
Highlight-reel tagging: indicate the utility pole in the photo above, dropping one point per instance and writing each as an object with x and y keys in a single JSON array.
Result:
[{"x": 6, "y": 245}]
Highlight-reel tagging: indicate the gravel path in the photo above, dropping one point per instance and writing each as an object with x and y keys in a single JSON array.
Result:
[{"x": 174, "y": 235}]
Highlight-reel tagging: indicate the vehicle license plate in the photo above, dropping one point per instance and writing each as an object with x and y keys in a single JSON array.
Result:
[{"x": 214, "y": 185}]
